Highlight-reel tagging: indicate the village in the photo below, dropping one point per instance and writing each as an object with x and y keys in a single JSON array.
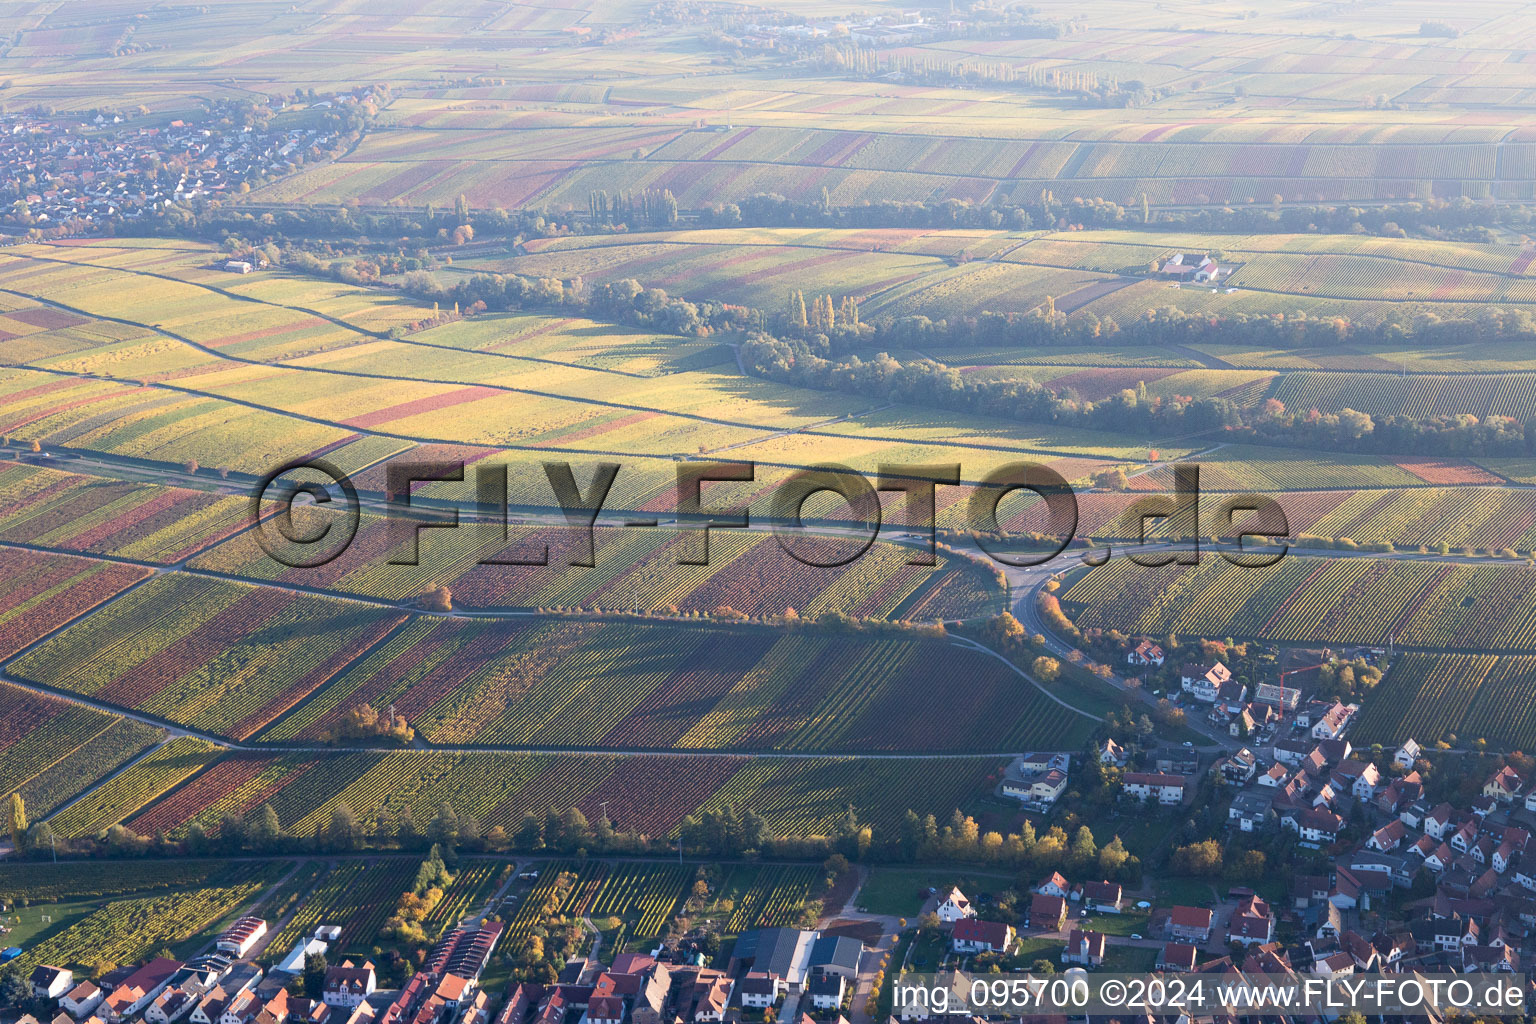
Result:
[{"x": 77, "y": 175}]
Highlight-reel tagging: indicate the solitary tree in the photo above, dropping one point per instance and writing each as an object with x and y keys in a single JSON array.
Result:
[{"x": 18, "y": 820}]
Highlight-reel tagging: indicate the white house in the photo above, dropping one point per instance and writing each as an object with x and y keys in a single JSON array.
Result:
[
  {"x": 170, "y": 1006},
  {"x": 760, "y": 990},
  {"x": 1331, "y": 723},
  {"x": 51, "y": 982},
  {"x": 1164, "y": 788},
  {"x": 1084, "y": 948},
  {"x": 1055, "y": 884},
  {"x": 1407, "y": 754},
  {"x": 1145, "y": 653},
  {"x": 953, "y": 906},
  {"x": 1103, "y": 897},
  {"x": 1316, "y": 827},
  {"x": 347, "y": 985},
  {"x": 974, "y": 936},
  {"x": 83, "y": 998},
  {"x": 827, "y": 990},
  {"x": 1204, "y": 682}
]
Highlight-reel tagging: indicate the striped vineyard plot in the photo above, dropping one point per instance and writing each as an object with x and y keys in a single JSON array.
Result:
[{"x": 218, "y": 656}]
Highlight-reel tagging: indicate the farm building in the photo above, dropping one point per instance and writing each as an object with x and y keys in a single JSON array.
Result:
[
  {"x": 239, "y": 937},
  {"x": 1191, "y": 266}
]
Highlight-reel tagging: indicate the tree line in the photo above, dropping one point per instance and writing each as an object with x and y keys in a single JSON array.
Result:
[{"x": 818, "y": 344}]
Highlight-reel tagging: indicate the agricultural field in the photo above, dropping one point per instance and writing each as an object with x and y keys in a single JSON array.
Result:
[
  {"x": 1455, "y": 698},
  {"x": 557, "y": 683},
  {"x": 632, "y": 568},
  {"x": 1374, "y": 601},
  {"x": 239, "y": 660},
  {"x": 45, "y": 591},
  {"x": 51, "y": 749},
  {"x": 359, "y": 895},
  {"x": 127, "y": 930},
  {"x": 146, "y": 779},
  {"x": 1244, "y": 468},
  {"x": 95, "y": 515},
  {"x": 219, "y": 656},
  {"x": 648, "y": 794},
  {"x": 644, "y": 897},
  {"x": 1464, "y": 508}
]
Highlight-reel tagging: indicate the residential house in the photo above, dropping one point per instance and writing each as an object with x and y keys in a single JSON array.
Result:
[
  {"x": 605, "y": 1010},
  {"x": 1330, "y": 725},
  {"x": 1232, "y": 699},
  {"x": 1084, "y": 948},
  {"x": 169, "y": 1006},
  {"x": 1177, "y": 956},
  {"x": 1112, "y": 753},
  {"x": 348, "y": 984},
  {"x": 1399, "y": 793},
  {"x": 1309, "y": 890},
  {"x": 709, "y": 996},
  {"x": 51, "y": 982},
  {"x": 953, "y": 906},
  {"x": 760, "y": 990},
  {"x": 1054, "y": 884},
  {"x": 1252, "y": 922},
  {"x": 1103, "y": 897},
  {"x": 1334, "y": 965},
  {"x": 1047, "y": 913},
  {"x": 1189, "y": 924},
  {"x": 1166, "y": 789},
  {"x": 1251, "y": 811},
  {"x": 977, "y": 936},
  {"x": 1290, "y": 752},
  {"x": 1240, "y": 767},
  {"x": 1489, "y": 959},
  {"x": 1407, "y": 755},
  {"x": 1388, "y": 837},
  {"x": 1144, "y": 653},
  {"x": 138, "y": 989},
  {"x": 836, "y": 954},
  {"x": 1038, "y": 781},
  {"x": 1316, "y": 826},
  {"x": 1203, "y": 682},
  {"x": 1503, "y": 785},
  {"x": 1362, "y": 778},
  {"x": 210, "y": 1008},
  {"x": 1330, "y": 922},
  {"x": 79, "y": 1001},
  {"x": 827, "y": 990}
]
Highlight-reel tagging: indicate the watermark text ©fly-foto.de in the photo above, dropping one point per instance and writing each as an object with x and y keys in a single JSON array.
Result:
[{"x": 276, "y": 496}]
